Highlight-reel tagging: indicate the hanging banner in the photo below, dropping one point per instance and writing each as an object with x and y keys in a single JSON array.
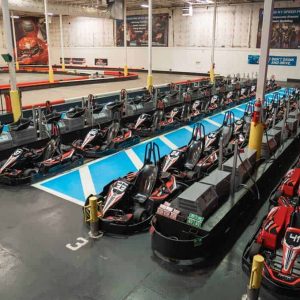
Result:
[
  {"x": 137, "y": 31},
  {"x": 31, "y": 39},
  {"x": 285, "y": 28},
  {"x": 289, "y": 61}
]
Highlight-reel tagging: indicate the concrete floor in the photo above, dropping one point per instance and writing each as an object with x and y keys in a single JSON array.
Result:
[
  {"x": 35, "y": 263},
  {"x": 31, "y": 97},
  {"x": 25, "y": 77}
]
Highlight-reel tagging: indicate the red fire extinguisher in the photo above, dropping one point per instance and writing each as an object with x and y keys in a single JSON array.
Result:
[{"x": 257, "y": 112}]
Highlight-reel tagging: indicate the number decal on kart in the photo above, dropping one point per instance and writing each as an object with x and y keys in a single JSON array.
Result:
[
  {"x": 121, "y": 186},
  {"x": 79, "y": 244}
]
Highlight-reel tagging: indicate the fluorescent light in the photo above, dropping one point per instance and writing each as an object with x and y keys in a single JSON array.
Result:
[
  {"x": 145, "y": 5},
  {"x": 15, "y": 17}
]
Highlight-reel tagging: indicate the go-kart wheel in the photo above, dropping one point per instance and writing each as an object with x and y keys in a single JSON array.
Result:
[
  {"x": 254, "y": 250},
  {"x": 29, "y": 172},
  {"x": 42, "y": 168},
  {"x": 140, "y": 214},
  {"x": 191, "y": 175},
  {"x": 74, "y": 158}
]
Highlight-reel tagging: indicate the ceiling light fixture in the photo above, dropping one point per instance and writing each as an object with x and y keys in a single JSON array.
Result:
[{"x": 144, "y": 5}]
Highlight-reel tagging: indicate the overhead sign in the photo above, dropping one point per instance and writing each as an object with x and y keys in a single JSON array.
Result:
[
  {"x": 137, "y": 31},
  {"x": 285, "y": 28},
  {"x": 289, "y": 61}
]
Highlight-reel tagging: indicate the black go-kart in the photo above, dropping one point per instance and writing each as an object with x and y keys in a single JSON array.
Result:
[
  {"x": 100, "y": 142},
  {"x": 29, "y": 165},
  {"x": 126, "y": 205},
  {"x": 149, "y": 125}
]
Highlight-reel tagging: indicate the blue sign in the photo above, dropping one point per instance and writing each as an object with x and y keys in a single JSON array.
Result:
[{"x": 288, "y": 61}]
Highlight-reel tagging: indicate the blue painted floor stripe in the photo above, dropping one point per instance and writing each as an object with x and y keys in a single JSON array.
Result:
[
  {"x": 140, "y": 148},
  {"x": 70, "y": 185},
  {"x": 237, "y": 113},
  {"x": 179, "y": 137},
  {"x": 219, "y": 118},
  {"x": 107, "y": 170}
]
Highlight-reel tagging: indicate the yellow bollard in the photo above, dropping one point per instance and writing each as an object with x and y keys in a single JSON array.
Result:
[
  {"x": 94, "y": 222},
  {"x": 212, "y": 73},
  {"x": 255, "y": 138},
  {"x": 93, "y": 208},
  {"x": 51, "y": 75},
  {"x": 125, "y": 70},
  {"x": 17, "y": 66},
  {"x": 149, "y": 81},
  {"x": 256, "y": 272},
  {"x": 63, "y": 67},
  {"x": 16, "y": 104},
  {"x": 255, "y": 278}
]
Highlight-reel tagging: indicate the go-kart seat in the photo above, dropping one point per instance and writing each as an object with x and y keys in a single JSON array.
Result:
[
  {"x": 75, "y": 112},
  {"x": 193, "y": 154},
  {"x": 53, "y": 117},
  {"x": 227, "y": 132},
  {"x": 295, "y": 221},
  {"x": 174, "y": 94},
  {"x": 145, "y": 182},
  {"x": 114, "y": 105},
  {"x": 19, "y": 125},
  {"x": 97, "y": 108}
]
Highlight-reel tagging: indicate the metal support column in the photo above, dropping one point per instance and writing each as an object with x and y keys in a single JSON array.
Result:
[
  {"x": 14, "y": 94},
  {"x": 264, "y": 49},
  {"x": 257, "y": 128},
  {"x": 125, "y": 38},
  {"x": 51, "y": 74},
  {"x": 63, "y": 67},
  {"x": 149, "y": 78},
  {"x": 15, "y": 40},
  {"x": 212, "y": 66}
]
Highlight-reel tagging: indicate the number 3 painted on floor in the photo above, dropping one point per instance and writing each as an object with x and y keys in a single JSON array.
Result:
[{"x": 80, "y": 243}]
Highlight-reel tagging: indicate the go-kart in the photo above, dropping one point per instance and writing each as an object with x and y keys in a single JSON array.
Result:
[
  {"x": 286, "y": 193},
  {"x": 278, "y": 241},
  {"x": 278, "y": 236},
  {"x": 241, "y": 129},
  {"x": 213, "y": 104},
  {"x": 148, "y": 125},
  {"x": 27, "y": 165},
  {"x": 182, "y": 162},
  {"x": 100, "y": 142},
  {"x": 127, "y": 204}
]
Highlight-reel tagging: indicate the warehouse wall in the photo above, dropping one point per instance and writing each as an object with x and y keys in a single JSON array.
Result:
[{"x": 189, "y": 41}]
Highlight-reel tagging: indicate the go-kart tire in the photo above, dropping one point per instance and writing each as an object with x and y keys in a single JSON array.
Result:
[
  {"x": 254, "y": 250},
  {"x": 191, "y": 175},
  {"x": 140, "y": 214},
  {"x": 29, "y": 172}
]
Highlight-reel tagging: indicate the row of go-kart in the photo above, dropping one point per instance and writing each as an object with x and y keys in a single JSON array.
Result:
[
  {"x": 278, "y": 237},
  {"x": 126, "y": 205},
  {"x": 27, "y": 165}
]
